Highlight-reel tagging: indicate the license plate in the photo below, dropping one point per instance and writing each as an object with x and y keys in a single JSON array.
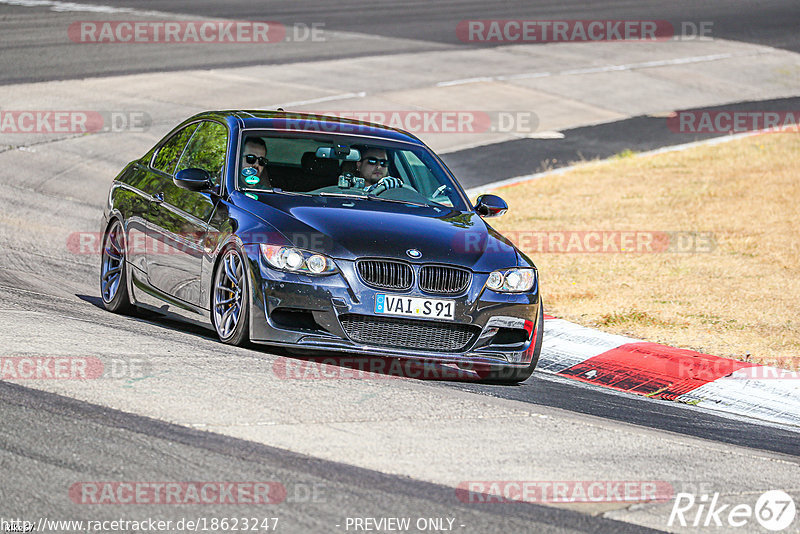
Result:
[{"x": 414, "y": 306}]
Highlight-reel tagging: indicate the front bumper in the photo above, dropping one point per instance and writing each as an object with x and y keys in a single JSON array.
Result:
[{"x": 302, "y": 311}]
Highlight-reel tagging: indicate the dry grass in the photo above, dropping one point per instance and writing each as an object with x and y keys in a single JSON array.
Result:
[{"x": 740, "y": 300}]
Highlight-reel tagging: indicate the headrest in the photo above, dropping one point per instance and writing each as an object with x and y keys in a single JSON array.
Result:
[{"x": 319, "y": 166}]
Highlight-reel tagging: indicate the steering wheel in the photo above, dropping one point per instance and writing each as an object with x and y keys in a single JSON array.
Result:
[
  {"x": 384, "y": 184},
  {"x": 378, "y": 191}
]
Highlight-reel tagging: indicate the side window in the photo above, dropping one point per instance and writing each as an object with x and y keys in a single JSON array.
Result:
[
  {"x": 169, "y": 154},
  {"x": 401, "y": 169},
  {"x": 206, "y": 150},
  {"x": 421, "y": 176}
]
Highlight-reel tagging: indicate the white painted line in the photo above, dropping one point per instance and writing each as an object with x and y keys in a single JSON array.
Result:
[
  {"x": 604, "y": 68},
  {"x": 656, "y": 63},
  {"x": 545, "y": 135},
  {"x": 467, "y": 80},
  {"x": 87, "y": 8},
  {"x": 526, "y": 75},
  {"x": 343, "y": 96}
]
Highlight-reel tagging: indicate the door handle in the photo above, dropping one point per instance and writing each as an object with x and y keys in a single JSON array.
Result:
[{"x": 158, "y": 198}]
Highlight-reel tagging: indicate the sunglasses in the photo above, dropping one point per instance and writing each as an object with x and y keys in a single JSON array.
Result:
[
  {"x": 376, "y": 161},
  {"x": 252, "y": 158}
]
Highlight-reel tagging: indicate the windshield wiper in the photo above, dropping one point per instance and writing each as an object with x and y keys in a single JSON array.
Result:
[
  {"x": 343, "y": 195},
  {"x": 277, "y": 190},
  {"x": 362, "y": 196},
  {"x": 376, "y": 197}
]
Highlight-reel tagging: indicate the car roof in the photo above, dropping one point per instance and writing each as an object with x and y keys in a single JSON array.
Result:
[{"x": 316, "y": 122}]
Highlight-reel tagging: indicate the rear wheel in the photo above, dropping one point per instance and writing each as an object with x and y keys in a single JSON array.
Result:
[
  {"x": 511, "y": 375},
  {"x": 230, "y": 303},
  {"x": 113, "y": 275}
]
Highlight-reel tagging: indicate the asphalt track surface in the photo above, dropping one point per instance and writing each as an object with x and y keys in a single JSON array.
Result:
[
  {"x": 544, "y": 389},
  {"x": 33, "y": 47},
  {"x": 53, "y": 437},
  {"x": 49, "y": 440}
]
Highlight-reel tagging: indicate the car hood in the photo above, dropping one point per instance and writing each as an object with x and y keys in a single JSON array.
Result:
[{"x": 352, "y": 228}]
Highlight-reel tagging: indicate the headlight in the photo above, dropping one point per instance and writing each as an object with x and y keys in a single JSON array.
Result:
[
  {"x": 296, "y": 260},
  {"x": 516, "y": 280},
  {"x": 495, "y": 281}
]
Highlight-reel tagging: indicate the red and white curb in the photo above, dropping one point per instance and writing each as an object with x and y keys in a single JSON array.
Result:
[{"x": 663, "y": 372}]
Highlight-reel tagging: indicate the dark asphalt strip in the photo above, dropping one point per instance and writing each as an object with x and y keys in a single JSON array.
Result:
[
  {"x": 72, "y": 440},
  {"x": 486, "y": 164}
]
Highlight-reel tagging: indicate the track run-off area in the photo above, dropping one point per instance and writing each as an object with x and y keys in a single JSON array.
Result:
[{"x": 169, "y": 404}]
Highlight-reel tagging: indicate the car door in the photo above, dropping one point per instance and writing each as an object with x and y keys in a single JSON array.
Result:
[
  {"x": 179, "y": 218},
  {"x": 146, "y": 182}
]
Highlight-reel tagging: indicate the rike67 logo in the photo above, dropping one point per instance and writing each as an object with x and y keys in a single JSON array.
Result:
[{"x": 774, "y": 510}]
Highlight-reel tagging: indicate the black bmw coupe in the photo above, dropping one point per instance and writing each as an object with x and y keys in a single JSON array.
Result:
[{"x": 321, "y": 234}]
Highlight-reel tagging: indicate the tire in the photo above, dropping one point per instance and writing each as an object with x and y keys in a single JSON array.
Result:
[
  {"x": 230, "y": 303},
  {"x": 113, "y": 271},
  {"x": 510, "y": 375}
]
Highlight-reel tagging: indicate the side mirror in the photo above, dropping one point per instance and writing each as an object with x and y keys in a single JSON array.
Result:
[
  {"x": 490, "y": 206},
  {"x": 193, "y": 179}
]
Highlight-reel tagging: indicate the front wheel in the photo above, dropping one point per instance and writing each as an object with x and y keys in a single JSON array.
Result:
[
  {"x": 230, "y": 303},
  {"x": 510, "y": 375},
  {"x": 113, "y": 275}
]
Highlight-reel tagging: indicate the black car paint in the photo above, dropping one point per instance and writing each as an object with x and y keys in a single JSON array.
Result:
[{"x": 191, "y": 229}]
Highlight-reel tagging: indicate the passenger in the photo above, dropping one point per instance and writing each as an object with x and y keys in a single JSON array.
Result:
[{"x": 254, "y": 154}]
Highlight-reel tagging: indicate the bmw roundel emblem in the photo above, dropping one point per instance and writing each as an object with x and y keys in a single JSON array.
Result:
[{"x": 414, "y": 253}]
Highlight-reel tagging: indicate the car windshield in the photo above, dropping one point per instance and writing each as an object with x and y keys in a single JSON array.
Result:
[{"x": 348, "y": 166}]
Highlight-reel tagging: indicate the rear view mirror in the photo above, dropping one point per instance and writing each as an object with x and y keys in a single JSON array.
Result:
[{"x": 343, "y": 152}]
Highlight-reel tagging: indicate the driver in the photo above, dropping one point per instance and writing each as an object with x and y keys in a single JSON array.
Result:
[{"x": 374, "y": 168}]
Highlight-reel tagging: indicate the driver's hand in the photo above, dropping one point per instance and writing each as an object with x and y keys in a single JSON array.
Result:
[{"x": 387, "y": 182}]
